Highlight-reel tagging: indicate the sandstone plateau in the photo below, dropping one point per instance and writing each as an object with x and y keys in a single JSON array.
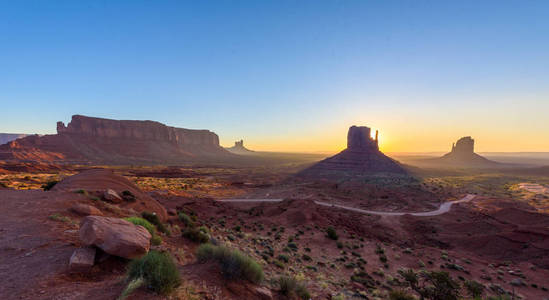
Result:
[
  {"x": 105, "y": 141},
  {"x": 362, "y": 157}
]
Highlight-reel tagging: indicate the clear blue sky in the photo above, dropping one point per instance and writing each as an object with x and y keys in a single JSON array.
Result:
[{"x": 285, "y": 75}]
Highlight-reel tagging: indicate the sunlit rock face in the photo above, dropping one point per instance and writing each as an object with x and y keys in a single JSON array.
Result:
[
  {"x": 362, "y": 157},
  {"x": 97, "y": 140}
]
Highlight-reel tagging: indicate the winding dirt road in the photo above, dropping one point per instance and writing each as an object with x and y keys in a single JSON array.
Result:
[{"x": 444, "y": 207}]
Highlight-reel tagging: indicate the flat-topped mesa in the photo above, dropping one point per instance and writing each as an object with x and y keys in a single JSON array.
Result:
[
  {"x": 359, "y": 139},
  {"x": 464, "y": 145},
  {"x": 138, "y": 130}
]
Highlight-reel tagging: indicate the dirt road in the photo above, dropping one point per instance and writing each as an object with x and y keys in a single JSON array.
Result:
[{"x": 444, "y": 207}]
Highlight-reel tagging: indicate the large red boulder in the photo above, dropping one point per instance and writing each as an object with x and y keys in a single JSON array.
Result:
[{"x": 115, "y": 236}]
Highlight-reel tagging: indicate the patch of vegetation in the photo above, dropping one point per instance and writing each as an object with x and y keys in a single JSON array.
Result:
[
  {"x": 474, "y": 288},
  {"x": 196, "y": 234},
  {"x": 435, "y": 285},
  {"x": 183, "y": 217},
  {"x": 155, "y": 239},
  {"x": 128, "y": 196},
  {"x": 158, "y": 271},
  {"x": 401, "y": 295},
  {"x": 49, "y": 185},
  {"x": 234, "y": 264},
  {"x": 153, "y": 219},
  {"x": 331, "y": 233},
  {"x": 60, "y": 218},
  {"x": 289, "y": 286}
]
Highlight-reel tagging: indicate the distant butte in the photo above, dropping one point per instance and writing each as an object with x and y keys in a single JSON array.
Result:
[
  {"x": 239, "y": 148},
  {"x": 362, "y": 157},
  {"x": 97, "y": 140},
  {"x": 463, "y": 155}
]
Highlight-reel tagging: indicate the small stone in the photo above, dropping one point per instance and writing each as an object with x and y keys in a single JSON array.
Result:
[
  {"x": 112, "y": 196},
  {"x": 82, "y": 259}
]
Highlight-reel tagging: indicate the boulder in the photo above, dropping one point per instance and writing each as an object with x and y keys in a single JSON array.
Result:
[
  {"x": 82, "y": 259},
  {"x": 112, "y": 196},
  {"x": 85, "y": 210},
  {"x": 115, "y": 236}
]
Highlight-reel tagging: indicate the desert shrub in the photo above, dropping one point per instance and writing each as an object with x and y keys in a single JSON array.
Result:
[
  {"x": 60, "y": 218},
  {"x": 283, "y": 257},
  {"x": 49, "y": 185},
  {"x": 142, "y": 222},
  {"x": 474, "y": 288},
  {"x": 153, "y": 218},
  {"x": 156, "y": 240},
  {"x": 289, "y": 286},
  {"x": 435, "y": 285},
  {"x": 128, "y": 196},
  {"x": 183, "y": 217},
  {"x": 292, "y": 245},
  {"x": 400, "y": 295},
  {"x": 196, "y": 235},
  {"x": 331, "y": 232},
  {"x": 234, "y": 264},
  {"x": 158, "y": 271}
]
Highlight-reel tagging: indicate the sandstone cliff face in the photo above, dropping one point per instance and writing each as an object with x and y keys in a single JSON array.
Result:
[
  {"x": 96, "y": 140},
  {"x": 140, "y": 130}
]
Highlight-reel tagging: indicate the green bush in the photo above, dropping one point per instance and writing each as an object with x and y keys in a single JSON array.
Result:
[
  {"x": 332, "y": 234},
  {"x": 288, "y": 286},
  {"x": 234, "y": 264},
  {"x": 196, "y": 235},
  {"x": 474, "y": 288},
  {"x": 158, "y": 270},
  {"x": 400, "y": 295},
  {"x": 128, "y": 196},
  {"x": 155, "y": 239},
  {"x": 142, "y": 222},
  {"x": 153, "y": 219},
  {"x": 183, "y": 217},
  {"x": 49, "y": 185}
]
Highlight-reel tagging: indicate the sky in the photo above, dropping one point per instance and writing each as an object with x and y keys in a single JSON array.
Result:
[{"x": 285, "y": 75}]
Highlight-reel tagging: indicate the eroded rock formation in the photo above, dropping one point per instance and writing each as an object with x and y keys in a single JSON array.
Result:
[
  {"x": 239, "y": 148},
  {"x": 97, "y": 140},
  {"x": 463, "y": 155},
  {"x": 362, "y": 157}
]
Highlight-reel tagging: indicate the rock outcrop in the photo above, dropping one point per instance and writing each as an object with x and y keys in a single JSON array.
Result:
[
  {"x": 85, "y": 210},
  {"x": 105, "y": 141},
  {"x": 8, "y": 137},
  {"x": 82, "y": 259},
  {"x": 98, "y": 181},
  {"x": 463, "y": 155},
  {"x": 362, "y": 157},
  {"x": 239, "y": 148},
  {"x": 115, "y": 236}
]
